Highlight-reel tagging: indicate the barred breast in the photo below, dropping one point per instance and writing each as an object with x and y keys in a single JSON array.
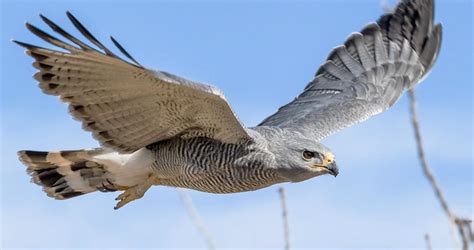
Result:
[{"x": 211, "y": 166}]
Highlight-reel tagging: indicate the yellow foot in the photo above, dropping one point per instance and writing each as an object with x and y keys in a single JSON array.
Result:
[{"x": 134, "y": 193}]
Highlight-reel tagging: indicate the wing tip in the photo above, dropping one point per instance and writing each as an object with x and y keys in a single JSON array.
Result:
[
  {"x": 45, "y": 19},
  {"x": 22, "y": 44},
  {"x": 70, "y": 15}
]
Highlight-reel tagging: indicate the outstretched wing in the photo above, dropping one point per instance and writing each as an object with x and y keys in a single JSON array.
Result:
[
  {"x": 367, "y": 74},
  {"x": 126, "y": 106}
]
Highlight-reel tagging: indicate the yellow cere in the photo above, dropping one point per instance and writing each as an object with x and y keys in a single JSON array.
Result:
[{"x": 328, "y": 158}]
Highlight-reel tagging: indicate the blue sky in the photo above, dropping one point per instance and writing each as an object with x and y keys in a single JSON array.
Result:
[{"x": 260, "y": 54}]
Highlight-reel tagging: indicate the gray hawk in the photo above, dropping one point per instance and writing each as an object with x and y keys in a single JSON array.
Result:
[{"x": 156, "y": 128}]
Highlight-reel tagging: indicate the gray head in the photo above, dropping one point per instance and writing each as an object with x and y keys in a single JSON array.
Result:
[{"x": 299, "y": 158}]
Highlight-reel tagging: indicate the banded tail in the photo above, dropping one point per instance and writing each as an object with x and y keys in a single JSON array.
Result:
[{"x": 67, "y": 174}]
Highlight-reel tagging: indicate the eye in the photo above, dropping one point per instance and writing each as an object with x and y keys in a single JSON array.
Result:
[{"x": 308, "y": 155}]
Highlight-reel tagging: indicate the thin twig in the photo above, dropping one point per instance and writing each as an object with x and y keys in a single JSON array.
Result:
[
  {"x": 194, "y": 215},
  {"x": 456, "y": 221},
  {"x": 284, "y": 215},
  {"x": 428, "y": 242}
]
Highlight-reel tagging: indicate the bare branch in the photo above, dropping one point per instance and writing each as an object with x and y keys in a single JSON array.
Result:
[
  {"x": 194, "y": 215},
  {"x": 284, "y": 215},
  {"x": 428, "y": 242},
  {"x": 463, "y": 225}
]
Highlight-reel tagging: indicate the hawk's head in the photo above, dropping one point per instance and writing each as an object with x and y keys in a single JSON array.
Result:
[{"x": 299, "y": 158}]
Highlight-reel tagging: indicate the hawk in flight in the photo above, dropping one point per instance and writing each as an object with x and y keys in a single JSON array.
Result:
[{"x": 156, "y": 128}]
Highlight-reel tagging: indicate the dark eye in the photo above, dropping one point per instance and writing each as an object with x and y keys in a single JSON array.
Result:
[{"x": 308, "y": 155}]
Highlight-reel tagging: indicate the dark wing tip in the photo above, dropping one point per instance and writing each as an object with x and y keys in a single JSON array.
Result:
[
  {"x": 70, "y": 15},
  {"x": 53, "y": 40},
  {"x": 91, "y": 38},
  {"x": 117, "y": 44},
  {"x": 47, "y": 20},
  {"x": 29, "y": 25},
  {"x": 22, "y": 44},
  {"x": 33, "y": 29},
  {"x": 17, "y": 42},
  {"x": 88, "y": 34}
]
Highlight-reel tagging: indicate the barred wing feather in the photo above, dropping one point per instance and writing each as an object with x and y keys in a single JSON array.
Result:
[
  {"x": 367, "y": 74},
  {"x": 123, "y": 104}
]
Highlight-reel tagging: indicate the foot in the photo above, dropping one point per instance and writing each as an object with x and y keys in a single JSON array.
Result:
[{"x": 134, "y": 193}]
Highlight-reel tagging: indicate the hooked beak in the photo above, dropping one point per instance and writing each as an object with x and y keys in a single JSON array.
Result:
[
  {"x": 330, "y": 168},
  {"x": 328, "y": 165},
  {"x": 333, "y": 170}
]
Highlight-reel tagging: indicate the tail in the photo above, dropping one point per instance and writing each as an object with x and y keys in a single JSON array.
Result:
[
  {"x": 413, "y": 20},
  {"x": 67, "y": 174}
]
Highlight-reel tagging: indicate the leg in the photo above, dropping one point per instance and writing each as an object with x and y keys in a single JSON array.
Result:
[{"x": 135, "y": 192}]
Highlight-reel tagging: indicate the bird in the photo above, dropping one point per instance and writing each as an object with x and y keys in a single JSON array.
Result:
[{"x": 159, "y": 129}]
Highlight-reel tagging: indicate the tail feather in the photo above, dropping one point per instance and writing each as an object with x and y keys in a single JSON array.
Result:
[{"x": 67, "y": 174}]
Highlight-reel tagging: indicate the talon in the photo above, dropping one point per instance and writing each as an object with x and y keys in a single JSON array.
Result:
[
  {"x": 121, "y": 196},
  {"x": 120, "y": 204},
  {"x": 133, "y": 193},
  {"x": 129, "y": 195}
]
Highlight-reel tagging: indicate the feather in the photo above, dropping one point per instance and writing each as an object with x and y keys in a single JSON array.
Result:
[
  {"x": 88, "y": 35},
  {"x": 117, "y": 44},
  {"x": 336, "y": 71},
  {"x": 48, "y": 38},
  {"x": 365, "y": 57},
  {"x": 65, "y": 34},
  {"x": 352, "y": 64}
]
